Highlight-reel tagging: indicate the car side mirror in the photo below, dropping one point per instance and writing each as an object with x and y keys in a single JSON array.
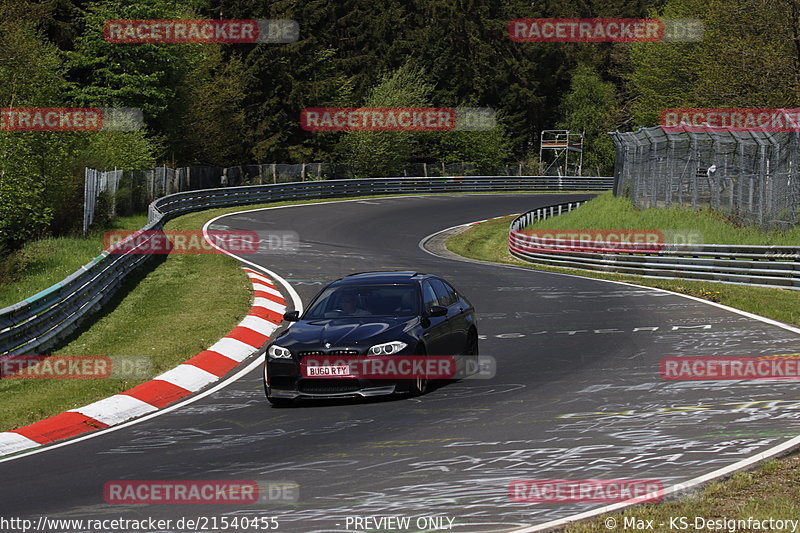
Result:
[
  {"x": 437, "y": 310},
  {"x": 291, "y": 316}
]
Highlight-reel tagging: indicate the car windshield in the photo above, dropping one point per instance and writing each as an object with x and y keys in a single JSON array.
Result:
[{"x": 364, "y": 301}]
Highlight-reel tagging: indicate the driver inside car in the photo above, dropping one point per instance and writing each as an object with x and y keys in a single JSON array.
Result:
[{"x": 349, "y": 305}]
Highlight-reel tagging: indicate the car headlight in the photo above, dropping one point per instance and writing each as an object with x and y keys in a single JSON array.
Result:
[
  {"x": 387, "y": 348},
  {"x": 279, "y": 352}
]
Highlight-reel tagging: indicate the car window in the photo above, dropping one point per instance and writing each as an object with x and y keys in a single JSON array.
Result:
[
  {"x": 445, "y": 298},
  {"x": 457, "y": 296},
  {"x": 451, "y": 292},
  {"x": 364, "y": 300},
  {"x": 429, "y": 296}
]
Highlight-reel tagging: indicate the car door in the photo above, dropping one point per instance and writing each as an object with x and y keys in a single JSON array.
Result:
[
  {"x": 437, "y": 334},
  {"x": 455, "y": 316}
]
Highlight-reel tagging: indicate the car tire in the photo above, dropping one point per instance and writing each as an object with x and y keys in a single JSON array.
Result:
[
  {"x": 277, "y": 402},
  {"x": 472, "y": 343},
  {"x": 472, "y": 347},
  {"x": 468, "y": 360},
  {"x": 418, "y": 386}
]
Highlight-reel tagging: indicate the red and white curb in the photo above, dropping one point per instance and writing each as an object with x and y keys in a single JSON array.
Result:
[{"x": 205, "y": 368}]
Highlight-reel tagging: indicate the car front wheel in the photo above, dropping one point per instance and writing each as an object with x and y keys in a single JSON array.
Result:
[
  {"x": 418, "y": 385},
  {"x": 277, "y": 402}
]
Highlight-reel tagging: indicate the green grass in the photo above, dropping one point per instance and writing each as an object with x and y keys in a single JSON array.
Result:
[
  {"x": 488, "y": 242},
  {"x": 43, "y": 263},
  {"x": 767, "y": 492},
  {"x": 179, "y": 308},
  {"x": 40, "y": 264},
  {"x": 611, "y": 212}
]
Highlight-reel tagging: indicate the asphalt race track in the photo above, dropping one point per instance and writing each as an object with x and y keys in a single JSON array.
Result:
[{"x": 577, "y": 395}]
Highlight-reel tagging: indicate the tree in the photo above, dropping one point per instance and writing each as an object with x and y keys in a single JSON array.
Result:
[
  {"x": 665, "y": 75},
  {"x": 31, "y": 74},
  {"x": 150, "y": 76},
  {"x": 382, "y": 153},
  {"x": 41, "y": 173},
  {"x": 751, "y": 54},
  {"x": 214, "y": 122},
  {"x": 486, "y": 150},
  {"x": 465, "y": 51},
  {"x": 748, "y": 57},
  {"x": 590, "y": 107}
]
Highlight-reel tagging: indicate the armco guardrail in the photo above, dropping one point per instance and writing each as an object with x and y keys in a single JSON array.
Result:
[
  {"x": 770, "y": 266},
  {"x": 36, "y": 324},
  {"x": 209, "y": 198}
]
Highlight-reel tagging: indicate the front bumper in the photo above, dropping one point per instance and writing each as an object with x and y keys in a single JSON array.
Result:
[
  {"x": 362, "y": 392},
  {"x": 284, "y": 380}
]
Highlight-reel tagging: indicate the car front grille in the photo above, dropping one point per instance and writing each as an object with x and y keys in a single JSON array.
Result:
[
  {"x": 327, "y": 352},
  {"x": 328, "y": 386}
]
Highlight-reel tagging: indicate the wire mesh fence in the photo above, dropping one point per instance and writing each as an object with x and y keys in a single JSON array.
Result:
[
  {"x": 750, "y": 176},
  {"x": 131, "y": 191}
]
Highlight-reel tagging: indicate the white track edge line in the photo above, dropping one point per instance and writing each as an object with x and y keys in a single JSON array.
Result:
[
  {"x": 298, "y": 303},
  {"x": 296, "y": 300},
  {"x": 673, "y": 489},
  {"x": 793, "y": 329}
]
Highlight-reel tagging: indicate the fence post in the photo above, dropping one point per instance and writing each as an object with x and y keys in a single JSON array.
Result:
[
  {"x": 670, "y": 171},
  {"x": 88, "y": 203},
  {"x": 730, "y": 185},
  {"x": 693, "y": 157},
  {"x": 762, "y": 162}
]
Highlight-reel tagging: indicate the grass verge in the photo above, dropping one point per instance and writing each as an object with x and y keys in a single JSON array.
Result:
[
  {"x": 43, "y": 263},
  {"x": 488, "y": 242},
  {"x": 769, "y": 491},
  {"x": 612, "y": 212},
  {"x": 169, "y": 314}
]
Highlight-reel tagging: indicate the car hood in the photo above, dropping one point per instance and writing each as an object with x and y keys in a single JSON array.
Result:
[{"x": 344, "y": 332}]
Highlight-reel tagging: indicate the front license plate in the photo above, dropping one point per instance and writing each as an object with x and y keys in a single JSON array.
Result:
[{"x": 327, "y": 371}]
